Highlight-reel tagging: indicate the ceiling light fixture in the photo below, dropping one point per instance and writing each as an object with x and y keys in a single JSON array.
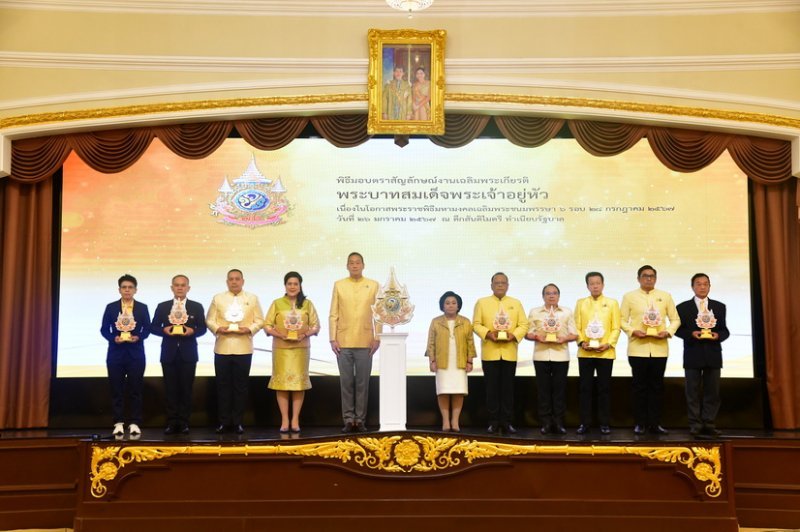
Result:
[{"x": 409, "y": 6}]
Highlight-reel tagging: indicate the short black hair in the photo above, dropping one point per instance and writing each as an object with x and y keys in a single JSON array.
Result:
[
  {"x": 128, "y": 277},
  {"x": 643, "y": 268},
  {"x": 355, "y": 254},
  {"x": 544, "y": 288},
  {"x": 234, "y": 270},
  {"x": 447, "y": 294},
  {"x": 499, "y": 273},
  {"x": 698, "y": 275},
  {"x": 595, "y": 274}
]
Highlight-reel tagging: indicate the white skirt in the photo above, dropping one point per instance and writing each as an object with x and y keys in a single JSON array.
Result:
[{"x": 451, "y": 380}]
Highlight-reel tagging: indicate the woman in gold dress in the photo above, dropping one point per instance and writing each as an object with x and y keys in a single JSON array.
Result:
[
  {"x": 291, "y": 320},
  {"x": 421, "y": 96}
]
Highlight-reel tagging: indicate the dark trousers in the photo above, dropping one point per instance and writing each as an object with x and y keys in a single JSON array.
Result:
[
  {"x": 499, "y": 375},
  {"x": 126, "y": 372},
  {"x": 178, "y": 381},
  {"x": 233, "y": 372},
  {"x": 702, "y": 396},
  {"x": 551, "y": 384},
  {"x": 586, "y": 369},
  {"x": 648, "y": 389}
]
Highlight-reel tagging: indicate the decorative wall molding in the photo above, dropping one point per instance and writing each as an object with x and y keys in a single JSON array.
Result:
[
  {"x": 442, "y": 8},
  {"x": 347, "y": 66}
]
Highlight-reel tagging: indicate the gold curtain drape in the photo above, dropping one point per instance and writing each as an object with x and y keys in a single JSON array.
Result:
[{"x": 27, "y": 200}]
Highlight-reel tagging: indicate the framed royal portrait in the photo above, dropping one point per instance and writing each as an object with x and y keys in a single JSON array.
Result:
[{"x": 406, "y": 82}]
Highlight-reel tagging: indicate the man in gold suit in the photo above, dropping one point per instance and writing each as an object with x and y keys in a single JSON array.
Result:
[
  {"x": 501, "y": 323},
  {"x": 234, "y": 317},
  {"x": 353, "y": 340},
  {"x": 648, "y": 347}
]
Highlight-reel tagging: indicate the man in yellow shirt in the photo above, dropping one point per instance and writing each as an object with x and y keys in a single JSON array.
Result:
[
  {"x": 643, "y": 314},
  {"x": 595, "y": 309},
  {"x": 353, "y": 340},
  {"x": 234, "y": 317},
  {"x": 500, "y": 321}
]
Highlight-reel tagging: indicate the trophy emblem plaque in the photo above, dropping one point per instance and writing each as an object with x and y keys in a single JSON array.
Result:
[
  {"x": 392, "y": 305},
  {"x": 501, "y": 323},
  {"x": 178, "y": 318},
  {"x": 125, "y": 324},
  {"x": 595, "y": 331},
  {"x": 706, "y": 321},
  {"x": 234, "y": 315},
  {"x": 652, "y": 318},
  {"x": 293, "y": 321},
  {"x": 551, "y": 325}
]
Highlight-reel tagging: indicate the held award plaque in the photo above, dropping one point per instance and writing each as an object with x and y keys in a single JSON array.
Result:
[
  {"x": 501, "y": 324},
  {"x": 551, "y": 325},
  {"x": 706, "y": 321},
  {"x": 125, "y": 324},
  {"x": 652, "y": 318},
  {"x": 234, "y": 314},
  {"x": 595, "y": 332},
  {"x": 293, "y": 321},
  {"x": 178, "y": 318}
]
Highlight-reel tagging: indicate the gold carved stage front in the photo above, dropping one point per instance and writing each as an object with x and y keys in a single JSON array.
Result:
[{"x": 406, "y": 480}]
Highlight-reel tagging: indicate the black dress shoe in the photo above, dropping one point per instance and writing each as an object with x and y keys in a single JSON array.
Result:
[
  {"x": 582, "y": 429},
  {"x": 711, "y": 431},
  {"x": 694, "y": 431},
  {"x": 509, "y": 428},
  {"x": 491, "y": 429},
  {"x": 184, "y": 429},
  {"x": 239, "y": 429},
  {"x": 560, "y": 429},
  {"x": 220, "y": 429},
  {"x": 545, "y": 429},
  {"x": 170, "y": 429},
  {"x": 360, "y": 427},
  {"x": 658, "y": 429},
  {"x": 639, "y": 430},
  {"x": 605, "y": 429},
  {"x": 348, "y": 427}
]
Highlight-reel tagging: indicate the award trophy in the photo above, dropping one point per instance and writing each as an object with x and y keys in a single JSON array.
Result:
[
  {"x": 551, "y": 325},
  {"x": 706, "y": 321},
  {"x": 594, "y": 331},
  {"x": 392, "y": 305},
  {"x": 234, "y": 315},
  {"x": 125, "y": 324},
  {"x": 293, "y": 323},
  {"x": 501, "y": 324},
  {"x": 178, "y": 317},
  {"x": 652, "y": 318}
]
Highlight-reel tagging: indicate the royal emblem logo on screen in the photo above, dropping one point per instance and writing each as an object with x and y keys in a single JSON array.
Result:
[{"x": 251, "y": 200}]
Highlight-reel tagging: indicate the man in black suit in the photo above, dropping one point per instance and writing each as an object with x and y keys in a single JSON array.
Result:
[
  {"x": 179, "y": 351},
  {"x": 126, "y": 323},
  {"x": 702, "y": 355}
]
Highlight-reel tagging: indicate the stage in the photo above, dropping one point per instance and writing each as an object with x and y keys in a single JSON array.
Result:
[{"x": 420, "y": 478}]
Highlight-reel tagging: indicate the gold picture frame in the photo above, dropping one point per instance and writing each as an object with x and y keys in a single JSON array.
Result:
[{"x": 406, "y": 82}]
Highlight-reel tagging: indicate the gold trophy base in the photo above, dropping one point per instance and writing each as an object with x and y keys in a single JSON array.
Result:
[
  {"x": 705, "y": 334},
  {"x": 233, "y": 327},
  {"x": 551, "y": 338},
  {"x": 291, "y": 335},
  {"x": 178, "y": 330},
  {"x": 502, "y": 335},
  {"x": 594, "y": 344},
  {"x": 651, "y": 331},
  {"x": 125, "y": 337}
]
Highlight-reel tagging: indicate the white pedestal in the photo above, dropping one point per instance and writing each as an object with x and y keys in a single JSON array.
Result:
[{"x": 393, "y": 381}]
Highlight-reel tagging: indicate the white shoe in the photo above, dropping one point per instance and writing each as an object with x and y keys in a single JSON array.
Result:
[
  {"x": 133, "y": 428},
  {"x": 119, "y": 429}
]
